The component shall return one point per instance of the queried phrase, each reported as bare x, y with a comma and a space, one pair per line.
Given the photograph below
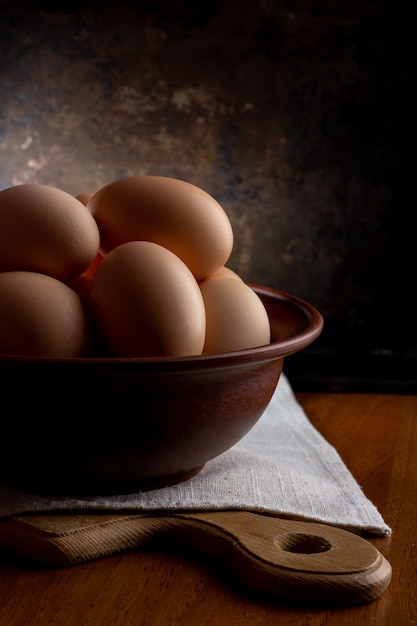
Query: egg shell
82, 284
45, 229
225, 272
236, 318
84, 197
41, 316
173, 213
147, 303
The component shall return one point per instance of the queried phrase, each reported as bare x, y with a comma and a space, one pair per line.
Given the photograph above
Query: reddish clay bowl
100, 424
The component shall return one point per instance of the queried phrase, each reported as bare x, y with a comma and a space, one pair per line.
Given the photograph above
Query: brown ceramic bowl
105, 424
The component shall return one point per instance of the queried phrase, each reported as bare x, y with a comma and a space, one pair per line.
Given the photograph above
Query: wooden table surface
376, 435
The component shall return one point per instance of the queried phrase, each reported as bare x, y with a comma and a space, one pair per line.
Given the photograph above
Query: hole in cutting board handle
302, 543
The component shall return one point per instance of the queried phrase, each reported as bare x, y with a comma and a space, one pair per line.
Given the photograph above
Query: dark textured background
293, 115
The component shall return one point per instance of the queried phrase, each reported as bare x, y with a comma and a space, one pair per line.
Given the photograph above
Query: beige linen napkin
282, 466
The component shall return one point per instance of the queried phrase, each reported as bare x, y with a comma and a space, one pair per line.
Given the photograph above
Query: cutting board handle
276, 558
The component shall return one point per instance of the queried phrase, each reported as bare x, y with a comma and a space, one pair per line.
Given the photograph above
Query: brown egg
147, 302
236, 318
83, 197
225, 272
82, 284
175, 214
41, 316
45, 229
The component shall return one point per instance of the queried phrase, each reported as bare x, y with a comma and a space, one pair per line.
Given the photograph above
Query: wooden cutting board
277, 558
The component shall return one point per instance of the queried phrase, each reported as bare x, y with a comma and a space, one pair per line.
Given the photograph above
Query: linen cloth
283, 466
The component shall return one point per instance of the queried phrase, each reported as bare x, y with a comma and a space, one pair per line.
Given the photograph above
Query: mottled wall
290, 113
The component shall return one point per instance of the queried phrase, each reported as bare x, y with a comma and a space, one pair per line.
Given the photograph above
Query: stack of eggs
136, 269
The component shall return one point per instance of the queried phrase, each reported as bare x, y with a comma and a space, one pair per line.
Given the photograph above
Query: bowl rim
274, 350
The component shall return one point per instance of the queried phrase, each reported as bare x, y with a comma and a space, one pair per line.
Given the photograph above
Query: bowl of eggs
130, 353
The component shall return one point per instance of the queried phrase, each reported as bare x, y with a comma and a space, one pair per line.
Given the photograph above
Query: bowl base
87, 485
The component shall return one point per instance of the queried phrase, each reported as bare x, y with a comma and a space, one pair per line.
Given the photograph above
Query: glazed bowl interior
104, 424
